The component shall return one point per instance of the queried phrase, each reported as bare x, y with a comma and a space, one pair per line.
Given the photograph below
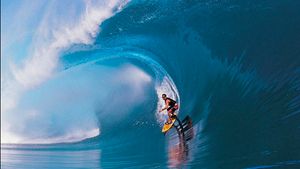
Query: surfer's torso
172, 103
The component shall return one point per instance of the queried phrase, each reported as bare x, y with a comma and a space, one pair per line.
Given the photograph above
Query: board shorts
173, 109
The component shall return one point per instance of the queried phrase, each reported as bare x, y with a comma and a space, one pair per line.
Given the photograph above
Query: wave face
89, 83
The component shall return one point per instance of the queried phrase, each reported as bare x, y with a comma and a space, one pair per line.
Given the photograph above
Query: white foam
41, 65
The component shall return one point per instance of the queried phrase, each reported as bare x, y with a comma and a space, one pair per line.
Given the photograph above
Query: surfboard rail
167, 127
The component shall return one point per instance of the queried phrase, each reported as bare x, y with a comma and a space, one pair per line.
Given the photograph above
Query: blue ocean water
234, 67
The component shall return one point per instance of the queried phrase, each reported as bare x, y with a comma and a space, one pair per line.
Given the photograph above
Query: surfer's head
164, 96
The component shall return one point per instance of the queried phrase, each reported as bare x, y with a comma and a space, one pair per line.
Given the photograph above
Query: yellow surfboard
167, 127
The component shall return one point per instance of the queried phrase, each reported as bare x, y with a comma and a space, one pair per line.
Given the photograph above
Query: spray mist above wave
64, 108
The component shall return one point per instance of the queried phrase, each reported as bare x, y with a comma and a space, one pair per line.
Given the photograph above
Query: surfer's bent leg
171, 112
170, 115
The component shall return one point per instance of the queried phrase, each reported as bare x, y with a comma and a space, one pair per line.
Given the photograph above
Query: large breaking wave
231, 72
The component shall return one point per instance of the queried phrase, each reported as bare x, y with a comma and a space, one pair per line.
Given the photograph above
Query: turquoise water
234, 67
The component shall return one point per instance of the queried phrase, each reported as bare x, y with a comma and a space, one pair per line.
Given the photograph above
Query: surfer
171, 106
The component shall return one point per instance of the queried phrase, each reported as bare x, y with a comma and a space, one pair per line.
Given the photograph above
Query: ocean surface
86, 93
